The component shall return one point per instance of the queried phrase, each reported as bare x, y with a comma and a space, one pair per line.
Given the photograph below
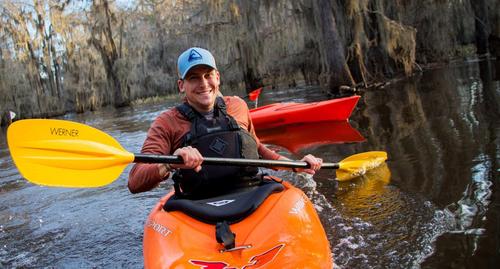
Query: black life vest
219, 137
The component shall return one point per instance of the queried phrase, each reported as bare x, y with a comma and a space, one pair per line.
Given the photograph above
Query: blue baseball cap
193, 57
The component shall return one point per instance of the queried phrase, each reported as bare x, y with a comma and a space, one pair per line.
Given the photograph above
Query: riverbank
121, 53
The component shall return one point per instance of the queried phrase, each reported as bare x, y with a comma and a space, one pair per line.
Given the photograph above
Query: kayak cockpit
232, 207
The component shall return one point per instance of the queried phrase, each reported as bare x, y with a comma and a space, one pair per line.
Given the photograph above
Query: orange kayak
288, 113
299, 136
275, 226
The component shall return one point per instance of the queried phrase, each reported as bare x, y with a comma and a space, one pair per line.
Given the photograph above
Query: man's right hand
191, 156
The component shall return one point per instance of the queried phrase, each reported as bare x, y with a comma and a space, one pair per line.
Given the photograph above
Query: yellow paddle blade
65, 154
358, 164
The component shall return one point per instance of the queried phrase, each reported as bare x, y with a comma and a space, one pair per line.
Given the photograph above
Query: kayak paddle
69, 154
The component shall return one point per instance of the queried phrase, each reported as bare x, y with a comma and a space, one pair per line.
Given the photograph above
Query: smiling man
199, 78
206, 124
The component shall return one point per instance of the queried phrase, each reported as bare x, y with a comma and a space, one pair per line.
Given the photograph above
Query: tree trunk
482, 26
252, 79
334, 69
102, 39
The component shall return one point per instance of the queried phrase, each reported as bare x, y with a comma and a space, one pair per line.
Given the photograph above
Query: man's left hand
314, 163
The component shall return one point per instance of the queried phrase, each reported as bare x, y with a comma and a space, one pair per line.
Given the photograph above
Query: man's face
201, 85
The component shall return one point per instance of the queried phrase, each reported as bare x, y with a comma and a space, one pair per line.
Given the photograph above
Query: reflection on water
434, 205
304, 136
441, 131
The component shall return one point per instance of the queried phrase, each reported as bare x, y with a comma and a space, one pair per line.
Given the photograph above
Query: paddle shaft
147, 158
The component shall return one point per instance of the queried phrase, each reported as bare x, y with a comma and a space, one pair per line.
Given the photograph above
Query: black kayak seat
232, 207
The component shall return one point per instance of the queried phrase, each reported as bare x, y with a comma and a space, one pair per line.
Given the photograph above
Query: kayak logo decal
157, 227
298, 207
256, 261
220, 203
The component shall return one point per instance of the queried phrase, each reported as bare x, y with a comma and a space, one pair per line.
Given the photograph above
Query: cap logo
194, 55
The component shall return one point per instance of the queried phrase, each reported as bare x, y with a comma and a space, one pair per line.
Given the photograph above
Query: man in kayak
206, 124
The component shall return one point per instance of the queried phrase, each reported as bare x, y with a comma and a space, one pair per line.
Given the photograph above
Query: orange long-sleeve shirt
165, 136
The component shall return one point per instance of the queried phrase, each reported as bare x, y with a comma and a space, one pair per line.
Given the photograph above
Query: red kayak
339, 109
296, 137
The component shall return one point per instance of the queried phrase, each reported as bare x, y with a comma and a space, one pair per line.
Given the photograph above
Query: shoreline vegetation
65, 56
153, 100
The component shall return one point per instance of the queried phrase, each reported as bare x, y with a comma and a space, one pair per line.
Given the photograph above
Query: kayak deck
283, 232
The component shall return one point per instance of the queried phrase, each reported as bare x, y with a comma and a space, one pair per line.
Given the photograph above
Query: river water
435, 205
